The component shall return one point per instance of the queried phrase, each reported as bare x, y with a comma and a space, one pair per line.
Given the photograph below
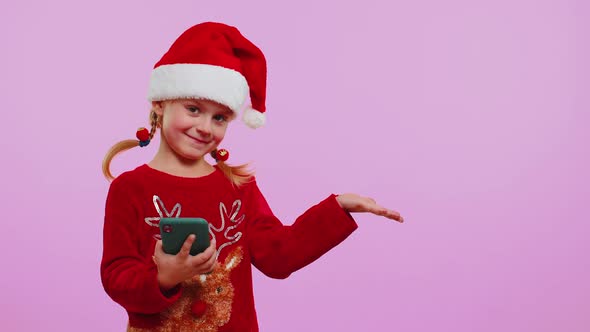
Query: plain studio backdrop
469, 117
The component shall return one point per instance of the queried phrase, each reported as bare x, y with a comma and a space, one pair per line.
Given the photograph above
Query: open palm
356, 203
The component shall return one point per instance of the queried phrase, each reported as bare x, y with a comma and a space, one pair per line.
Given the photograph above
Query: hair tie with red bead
220, 155
143, 135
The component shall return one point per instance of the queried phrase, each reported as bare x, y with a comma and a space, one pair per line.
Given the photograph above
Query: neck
169, 162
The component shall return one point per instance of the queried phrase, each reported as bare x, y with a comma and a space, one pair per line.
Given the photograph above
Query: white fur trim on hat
225, 86
253, 118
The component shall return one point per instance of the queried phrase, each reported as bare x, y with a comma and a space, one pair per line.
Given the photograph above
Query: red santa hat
213, 61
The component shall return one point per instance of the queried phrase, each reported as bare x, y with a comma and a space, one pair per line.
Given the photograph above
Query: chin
194, 155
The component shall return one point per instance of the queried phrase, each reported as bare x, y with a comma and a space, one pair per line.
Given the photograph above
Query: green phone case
174, 232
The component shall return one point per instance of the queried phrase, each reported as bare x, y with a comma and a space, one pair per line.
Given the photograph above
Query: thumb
158, 246
157, 249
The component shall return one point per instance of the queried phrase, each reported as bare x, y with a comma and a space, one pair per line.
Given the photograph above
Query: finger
209, 264
208, 267
186, 247
203, 257
158, 246
380, 211
213, 245
390, 214
212, 268
369, 205
393, 215
213, 259
157, 251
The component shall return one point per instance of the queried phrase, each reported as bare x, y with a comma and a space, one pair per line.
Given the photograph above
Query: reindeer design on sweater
206, 301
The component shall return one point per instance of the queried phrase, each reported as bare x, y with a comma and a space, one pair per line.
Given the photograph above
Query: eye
193, 109
219, 290
220, 118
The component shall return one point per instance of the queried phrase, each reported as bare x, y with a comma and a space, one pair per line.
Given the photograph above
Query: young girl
196, 89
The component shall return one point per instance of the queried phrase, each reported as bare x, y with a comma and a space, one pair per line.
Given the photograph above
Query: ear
233, 259
158, 107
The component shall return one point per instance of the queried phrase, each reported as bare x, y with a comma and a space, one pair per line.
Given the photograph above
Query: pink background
469, 117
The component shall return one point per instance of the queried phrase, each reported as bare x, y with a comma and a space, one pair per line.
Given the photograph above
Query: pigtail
237, 175
127, 145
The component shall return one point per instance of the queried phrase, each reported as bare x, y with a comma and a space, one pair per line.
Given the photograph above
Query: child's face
193, 128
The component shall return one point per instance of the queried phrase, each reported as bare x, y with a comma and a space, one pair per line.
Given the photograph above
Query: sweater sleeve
278, 250
128, 276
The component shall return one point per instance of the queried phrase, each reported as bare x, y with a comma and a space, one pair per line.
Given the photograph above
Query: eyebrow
225, 111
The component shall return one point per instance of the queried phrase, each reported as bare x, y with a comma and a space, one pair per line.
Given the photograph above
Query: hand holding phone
175, 231
174, 269
176, 263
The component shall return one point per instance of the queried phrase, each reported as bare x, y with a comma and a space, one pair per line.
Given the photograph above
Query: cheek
167, 128
219, 133
174, 123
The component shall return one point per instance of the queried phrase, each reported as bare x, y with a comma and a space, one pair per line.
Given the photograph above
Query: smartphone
175, 231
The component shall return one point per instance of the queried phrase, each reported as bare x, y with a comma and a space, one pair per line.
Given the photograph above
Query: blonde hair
237, 175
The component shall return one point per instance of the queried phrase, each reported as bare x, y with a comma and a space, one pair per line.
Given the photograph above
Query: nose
204, 127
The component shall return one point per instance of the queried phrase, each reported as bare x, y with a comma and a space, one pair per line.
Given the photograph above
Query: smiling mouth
198, 140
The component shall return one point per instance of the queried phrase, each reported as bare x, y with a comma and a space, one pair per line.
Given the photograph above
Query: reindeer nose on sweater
198, 308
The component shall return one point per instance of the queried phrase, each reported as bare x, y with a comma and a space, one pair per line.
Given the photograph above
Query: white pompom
253, 119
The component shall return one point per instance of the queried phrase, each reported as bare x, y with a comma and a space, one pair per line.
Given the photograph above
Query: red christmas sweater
246, 231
